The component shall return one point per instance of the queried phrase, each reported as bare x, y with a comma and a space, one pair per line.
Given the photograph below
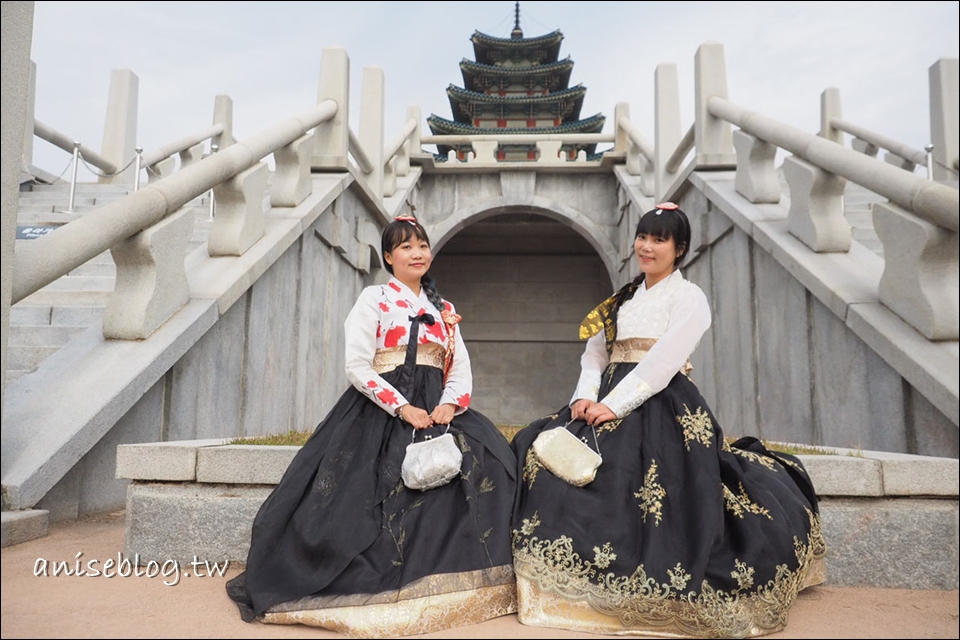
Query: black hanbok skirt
341, 543
681, 534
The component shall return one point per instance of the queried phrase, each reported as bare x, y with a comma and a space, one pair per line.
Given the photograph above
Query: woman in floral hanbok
341, 542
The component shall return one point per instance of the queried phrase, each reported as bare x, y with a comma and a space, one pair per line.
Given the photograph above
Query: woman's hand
443, 414
415, 416
579, 409
599, 413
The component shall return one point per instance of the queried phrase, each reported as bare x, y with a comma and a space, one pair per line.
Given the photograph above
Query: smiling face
663, 236
410, 260
656, 256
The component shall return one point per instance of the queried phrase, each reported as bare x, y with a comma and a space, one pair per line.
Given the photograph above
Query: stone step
82, 283
28, 358
13, 374
42, 335
29, 314
51, 298
32, 217
82, 188
66, 314
105, 269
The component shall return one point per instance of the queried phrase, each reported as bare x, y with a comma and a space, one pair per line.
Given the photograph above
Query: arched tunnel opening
522, 282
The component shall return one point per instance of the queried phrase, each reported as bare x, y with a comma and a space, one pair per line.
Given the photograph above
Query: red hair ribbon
409, 219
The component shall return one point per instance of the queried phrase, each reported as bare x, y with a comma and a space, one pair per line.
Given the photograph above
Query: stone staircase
43, 322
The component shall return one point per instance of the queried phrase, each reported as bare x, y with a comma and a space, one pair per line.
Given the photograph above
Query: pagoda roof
471, 69
485, 46
442, 126
573, 97
465, 95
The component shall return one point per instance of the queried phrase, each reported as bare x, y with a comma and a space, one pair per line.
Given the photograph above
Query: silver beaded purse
432, 462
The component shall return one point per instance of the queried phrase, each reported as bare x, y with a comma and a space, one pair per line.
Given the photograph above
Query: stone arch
443, 231
522, 300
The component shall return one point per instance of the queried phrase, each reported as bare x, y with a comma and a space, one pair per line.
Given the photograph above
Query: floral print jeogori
387, 310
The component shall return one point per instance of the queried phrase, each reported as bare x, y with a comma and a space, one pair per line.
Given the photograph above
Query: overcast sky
266, 56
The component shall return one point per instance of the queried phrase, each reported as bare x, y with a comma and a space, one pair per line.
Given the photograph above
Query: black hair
669, 223
395, 234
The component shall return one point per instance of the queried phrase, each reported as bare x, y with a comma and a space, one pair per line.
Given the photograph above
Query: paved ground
195, 607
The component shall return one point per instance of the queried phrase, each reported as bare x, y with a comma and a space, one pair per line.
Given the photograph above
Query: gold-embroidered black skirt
681, 534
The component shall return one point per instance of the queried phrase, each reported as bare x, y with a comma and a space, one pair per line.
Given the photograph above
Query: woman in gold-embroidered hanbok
681, 533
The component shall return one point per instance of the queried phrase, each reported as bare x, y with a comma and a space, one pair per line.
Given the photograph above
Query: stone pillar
17, 24
291, 180
416, 147
757, 179
223, 115
239, 221
28, 122
944, 114
713, 138
621, 142
371, 125
816, 207
151, 278
919, 282
120, 128
332, 138
667, 128
191, 155
830, 109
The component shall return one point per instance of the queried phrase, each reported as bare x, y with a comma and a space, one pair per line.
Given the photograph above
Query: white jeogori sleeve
360, 333
689, 320
592, 363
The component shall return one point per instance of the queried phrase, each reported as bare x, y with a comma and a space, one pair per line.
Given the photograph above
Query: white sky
266, 56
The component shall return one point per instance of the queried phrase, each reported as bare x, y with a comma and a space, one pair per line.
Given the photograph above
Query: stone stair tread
49, 298
42, 335
28, 358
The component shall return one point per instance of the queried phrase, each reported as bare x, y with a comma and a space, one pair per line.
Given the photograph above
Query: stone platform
890, 520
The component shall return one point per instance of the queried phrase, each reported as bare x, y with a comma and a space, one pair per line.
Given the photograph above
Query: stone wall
522, 283
780, 364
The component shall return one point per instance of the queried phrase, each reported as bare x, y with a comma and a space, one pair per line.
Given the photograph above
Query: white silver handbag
432, 462
567, 456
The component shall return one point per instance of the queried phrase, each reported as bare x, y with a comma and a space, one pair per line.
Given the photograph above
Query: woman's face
655, 256
410, 260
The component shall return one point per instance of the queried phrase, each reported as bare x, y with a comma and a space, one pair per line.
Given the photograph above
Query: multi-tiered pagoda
516, 85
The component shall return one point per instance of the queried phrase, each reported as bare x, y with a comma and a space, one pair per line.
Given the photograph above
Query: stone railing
259, 215
144, 229
548, 148
890, 520
159, 162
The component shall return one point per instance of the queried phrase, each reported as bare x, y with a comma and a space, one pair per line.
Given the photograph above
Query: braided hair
396, 233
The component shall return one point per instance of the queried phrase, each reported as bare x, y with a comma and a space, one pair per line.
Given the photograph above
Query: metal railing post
73, 178
138, 166
929, 149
